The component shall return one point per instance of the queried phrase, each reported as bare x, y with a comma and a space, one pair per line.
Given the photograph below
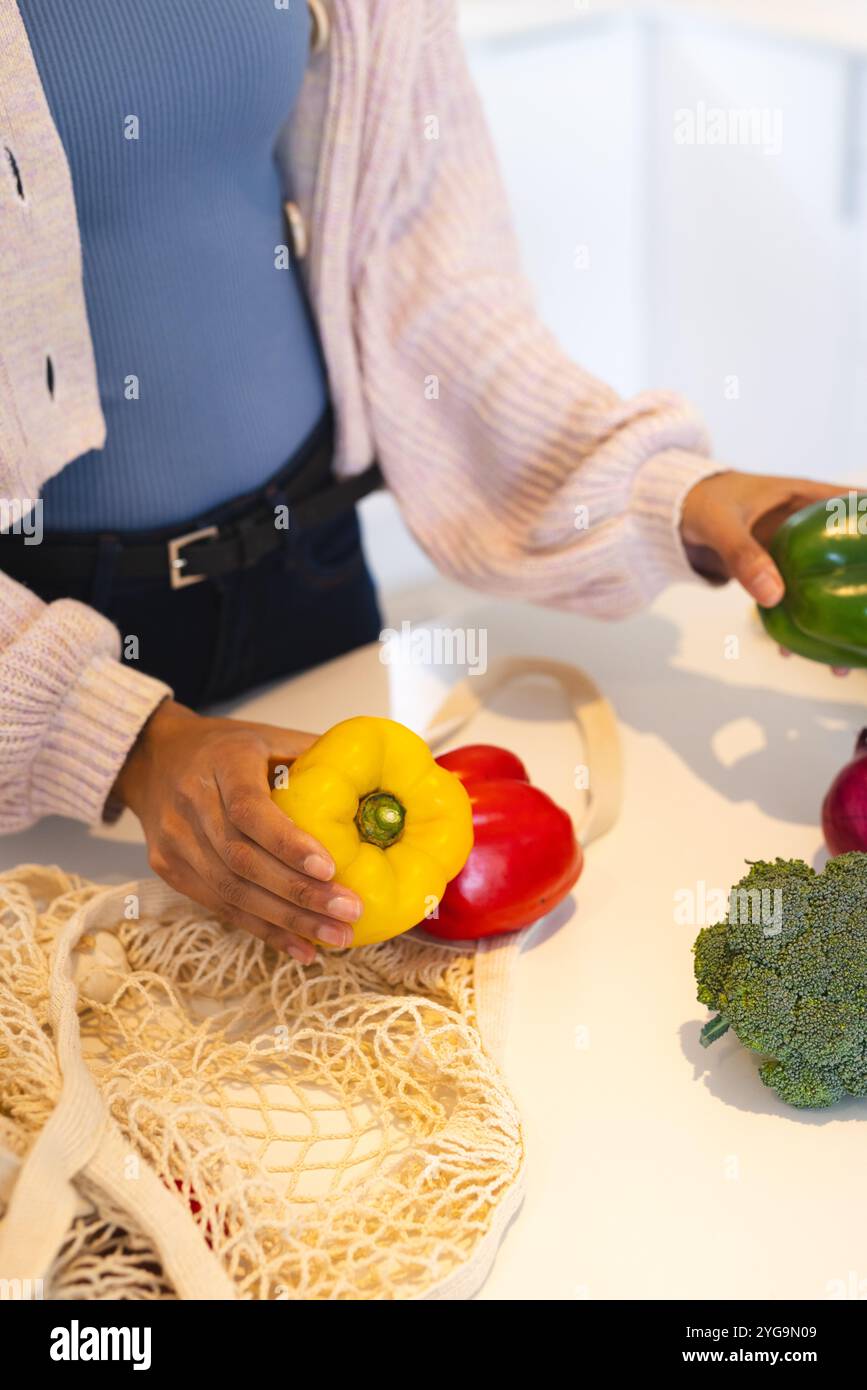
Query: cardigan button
297, 229
320, 26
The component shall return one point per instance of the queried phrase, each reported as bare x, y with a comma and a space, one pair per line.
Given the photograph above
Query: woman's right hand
200, 788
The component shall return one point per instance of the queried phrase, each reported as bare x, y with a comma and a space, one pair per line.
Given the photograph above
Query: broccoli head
787, 971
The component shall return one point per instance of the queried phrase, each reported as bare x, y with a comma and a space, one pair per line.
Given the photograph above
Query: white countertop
840, 23
655, 1169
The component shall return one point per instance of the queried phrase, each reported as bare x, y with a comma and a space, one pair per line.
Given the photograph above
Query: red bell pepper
195, 1207
525, 856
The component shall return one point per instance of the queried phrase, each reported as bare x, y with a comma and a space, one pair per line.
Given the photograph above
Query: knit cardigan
518, 472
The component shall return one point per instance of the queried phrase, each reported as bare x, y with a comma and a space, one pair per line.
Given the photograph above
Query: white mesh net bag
185, 1114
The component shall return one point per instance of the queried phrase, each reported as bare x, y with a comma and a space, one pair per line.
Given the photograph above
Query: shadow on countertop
807, 737
731, 1074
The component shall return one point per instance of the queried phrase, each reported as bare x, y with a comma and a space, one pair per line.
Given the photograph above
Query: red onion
844, 812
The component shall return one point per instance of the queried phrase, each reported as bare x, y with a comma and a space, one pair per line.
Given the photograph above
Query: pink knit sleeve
69, 711
518, 471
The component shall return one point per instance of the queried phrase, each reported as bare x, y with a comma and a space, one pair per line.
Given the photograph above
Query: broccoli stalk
713, 1029
787, 972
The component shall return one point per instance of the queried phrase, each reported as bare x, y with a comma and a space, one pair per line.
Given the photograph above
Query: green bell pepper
821, 552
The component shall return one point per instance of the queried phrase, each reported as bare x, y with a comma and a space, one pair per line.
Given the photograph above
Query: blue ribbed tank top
208, 363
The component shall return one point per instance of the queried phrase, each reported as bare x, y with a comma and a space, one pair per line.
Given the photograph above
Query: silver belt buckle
177, 562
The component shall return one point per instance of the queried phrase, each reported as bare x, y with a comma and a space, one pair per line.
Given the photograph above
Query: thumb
281, 746
749, 563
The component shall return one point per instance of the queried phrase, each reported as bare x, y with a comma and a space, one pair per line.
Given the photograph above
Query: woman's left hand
729, 518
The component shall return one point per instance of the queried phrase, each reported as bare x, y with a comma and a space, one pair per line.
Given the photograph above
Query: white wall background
566, 110
734, 273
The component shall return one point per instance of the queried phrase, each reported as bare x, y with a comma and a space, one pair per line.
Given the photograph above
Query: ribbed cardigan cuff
87, 745
656, 504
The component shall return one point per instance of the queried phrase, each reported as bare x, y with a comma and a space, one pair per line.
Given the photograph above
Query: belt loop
108, 548
245, 552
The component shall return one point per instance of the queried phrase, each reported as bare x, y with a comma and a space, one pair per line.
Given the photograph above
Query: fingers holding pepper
200, 789
732, 517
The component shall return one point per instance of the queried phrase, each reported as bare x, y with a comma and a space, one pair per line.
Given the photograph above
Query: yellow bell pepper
397, 826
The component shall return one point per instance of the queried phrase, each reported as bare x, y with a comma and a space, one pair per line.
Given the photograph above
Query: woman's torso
209, 366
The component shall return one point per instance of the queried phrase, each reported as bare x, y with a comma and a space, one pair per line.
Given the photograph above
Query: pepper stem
380, 819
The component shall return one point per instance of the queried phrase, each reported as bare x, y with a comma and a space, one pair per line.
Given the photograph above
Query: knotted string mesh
336, 1130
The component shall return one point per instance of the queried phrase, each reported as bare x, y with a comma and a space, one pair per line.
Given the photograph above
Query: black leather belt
253, 528
215, 550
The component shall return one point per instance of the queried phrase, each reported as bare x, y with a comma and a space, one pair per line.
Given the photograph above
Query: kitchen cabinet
734, 268
565, 109
754, 295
